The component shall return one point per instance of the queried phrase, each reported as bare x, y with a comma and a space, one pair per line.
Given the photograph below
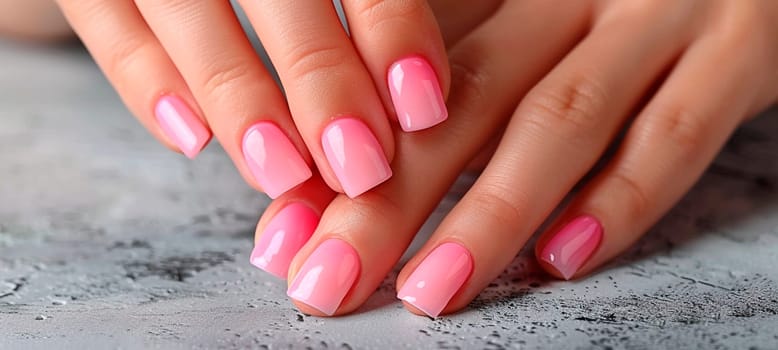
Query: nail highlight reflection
326, 276
439, 276
286, 233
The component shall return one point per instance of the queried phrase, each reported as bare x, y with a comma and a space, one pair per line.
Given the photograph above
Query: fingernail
286, 233
416, 94
435, 281
273, 159
326, 277
181, 125
573, 245
355, 156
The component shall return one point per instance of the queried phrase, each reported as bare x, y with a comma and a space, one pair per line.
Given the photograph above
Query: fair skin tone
197, 52
679, 76
664, 83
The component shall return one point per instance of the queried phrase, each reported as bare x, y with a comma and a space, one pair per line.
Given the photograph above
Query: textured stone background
107, 240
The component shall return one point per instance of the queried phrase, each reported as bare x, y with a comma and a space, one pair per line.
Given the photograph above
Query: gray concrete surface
107, 240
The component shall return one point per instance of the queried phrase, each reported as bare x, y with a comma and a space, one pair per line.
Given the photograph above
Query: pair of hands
661, 83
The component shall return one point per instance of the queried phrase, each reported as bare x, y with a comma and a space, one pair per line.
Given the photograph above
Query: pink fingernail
273, 159
181, 125
326, 277
435, 281
355, 156
573, 245
416, 94
286, 233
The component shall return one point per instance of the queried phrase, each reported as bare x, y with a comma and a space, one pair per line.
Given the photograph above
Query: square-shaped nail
326, 276
273, 160
355, 156
416, 94
283, 236
573, 245
439, 276
181, 125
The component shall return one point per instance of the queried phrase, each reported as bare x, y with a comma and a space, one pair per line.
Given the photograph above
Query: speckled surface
107, 240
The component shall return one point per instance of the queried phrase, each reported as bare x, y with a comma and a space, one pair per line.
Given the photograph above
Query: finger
331, 96
242, 103
287, 224
400, 44
141, 72
665, 151
375, 229
558, 132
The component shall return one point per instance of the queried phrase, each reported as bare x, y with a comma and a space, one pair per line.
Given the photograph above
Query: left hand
577, 72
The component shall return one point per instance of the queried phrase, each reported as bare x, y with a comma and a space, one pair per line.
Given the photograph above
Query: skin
676, 78
197, 51
540, 89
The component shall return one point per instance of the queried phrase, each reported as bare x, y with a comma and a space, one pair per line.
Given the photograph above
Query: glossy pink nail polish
181, 125
435, 281
573, 245
273, 159
355, 156
286, 233
416, 94
326, 277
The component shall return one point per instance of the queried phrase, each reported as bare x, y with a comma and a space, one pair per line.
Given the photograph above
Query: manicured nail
435, 281
273, 159
573, 245
286, 233
326, 277
416, 94
181, 125
355, 156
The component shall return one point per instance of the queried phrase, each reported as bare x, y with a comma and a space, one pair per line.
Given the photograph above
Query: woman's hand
186, 69
559, 82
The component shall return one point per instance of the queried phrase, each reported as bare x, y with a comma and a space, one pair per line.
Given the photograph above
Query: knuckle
572, 109
739, 23
637, 202
680, 127
493, 202
377, 13
313, 57
377, 206
226, 76
126, 51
